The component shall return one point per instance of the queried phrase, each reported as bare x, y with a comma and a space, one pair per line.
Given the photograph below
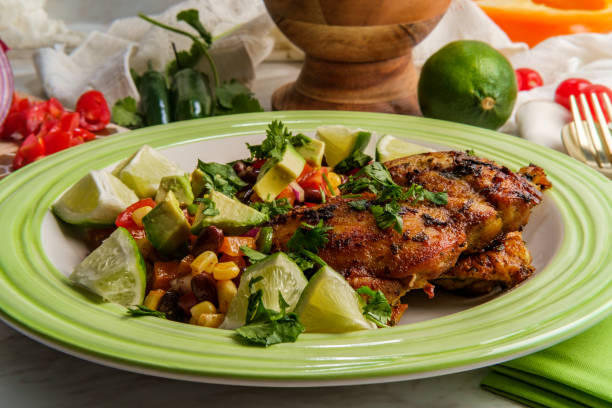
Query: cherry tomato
529, 79
94, 111
571, 86
125, 220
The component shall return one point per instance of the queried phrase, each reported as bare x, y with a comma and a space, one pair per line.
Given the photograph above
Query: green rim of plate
571, 293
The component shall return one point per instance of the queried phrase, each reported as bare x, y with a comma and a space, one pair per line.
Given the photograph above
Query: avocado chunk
198, 186
278, 176
312, 152
143, 171
179, 185
166, 226
232, 216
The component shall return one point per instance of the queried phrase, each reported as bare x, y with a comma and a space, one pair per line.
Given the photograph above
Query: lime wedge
144, 170
330, 305
115, 270
280, 274
339, 142
95, 200
391, 148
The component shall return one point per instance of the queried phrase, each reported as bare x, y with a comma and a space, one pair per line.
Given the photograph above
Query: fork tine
581, 133
592, 133
604, 132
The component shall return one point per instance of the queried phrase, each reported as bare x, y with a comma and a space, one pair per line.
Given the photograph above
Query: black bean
204, 288
312, 195
239, 167
249, 174
210, 240
168, 304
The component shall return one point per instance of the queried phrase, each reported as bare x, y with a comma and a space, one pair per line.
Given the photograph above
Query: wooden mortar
358, 52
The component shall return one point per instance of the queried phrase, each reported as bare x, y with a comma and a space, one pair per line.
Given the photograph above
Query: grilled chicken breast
486, 201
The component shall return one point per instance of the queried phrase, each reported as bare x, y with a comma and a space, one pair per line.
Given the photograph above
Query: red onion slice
251, 233
7, 85
298, 191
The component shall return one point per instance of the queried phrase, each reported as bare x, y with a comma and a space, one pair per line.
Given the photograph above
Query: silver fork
587, 141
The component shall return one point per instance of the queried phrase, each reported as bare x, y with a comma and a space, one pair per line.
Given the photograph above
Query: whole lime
468, 82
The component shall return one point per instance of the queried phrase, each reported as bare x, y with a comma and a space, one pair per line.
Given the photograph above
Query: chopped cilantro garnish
273, 208
210, 208
306, 242
125, 113
221, 177
265, 326
360, 205
377, 309
253, 255
388, 216
141, 310
278, 137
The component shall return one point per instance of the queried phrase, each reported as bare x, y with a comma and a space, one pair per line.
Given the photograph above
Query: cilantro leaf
125, 113
357, 158
227, 91
417, 192
141, 310
278, 137
265, 326
309, 237
186, 59
388, 216
273, 208
470, 152
377, 308
253, 255
299, 140
360, 205
192, 17
210, 208
245, 103
221, 177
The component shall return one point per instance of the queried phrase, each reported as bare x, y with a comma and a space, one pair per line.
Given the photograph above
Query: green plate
569, 236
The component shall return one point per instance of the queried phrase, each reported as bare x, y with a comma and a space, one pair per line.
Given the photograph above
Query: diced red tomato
84, 134
288, 194
231, 245
527, 79
257, 164
125, 220
94, 111
30, 150
313, 178
60, 136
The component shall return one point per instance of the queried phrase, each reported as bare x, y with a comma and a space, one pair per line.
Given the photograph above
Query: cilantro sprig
305, 244
253, 255
278, 137
377, 308
209, 206
357, 159
375, 178
141, 310
264, 326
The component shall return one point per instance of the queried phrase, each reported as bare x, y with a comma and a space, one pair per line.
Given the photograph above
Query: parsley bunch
266, 326
387, 211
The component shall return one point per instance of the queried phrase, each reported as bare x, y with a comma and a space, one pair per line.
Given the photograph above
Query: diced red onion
251, 233
7, 86
298, 191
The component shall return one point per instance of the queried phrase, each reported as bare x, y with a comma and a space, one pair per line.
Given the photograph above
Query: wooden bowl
358, 52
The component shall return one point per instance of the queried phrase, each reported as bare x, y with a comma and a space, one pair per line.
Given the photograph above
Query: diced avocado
233, 217
197, 183
179, 185
312, 152
166, 226
143, 171
271, 182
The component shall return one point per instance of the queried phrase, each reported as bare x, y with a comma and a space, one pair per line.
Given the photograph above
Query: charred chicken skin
486, 201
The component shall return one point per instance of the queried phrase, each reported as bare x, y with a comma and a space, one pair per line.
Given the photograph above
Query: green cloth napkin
575, 373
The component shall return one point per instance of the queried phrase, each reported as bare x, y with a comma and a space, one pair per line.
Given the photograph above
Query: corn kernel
210, 319
205, 262
202, 307
153, 297
139, 214
334, 179
225, 270
226, 291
